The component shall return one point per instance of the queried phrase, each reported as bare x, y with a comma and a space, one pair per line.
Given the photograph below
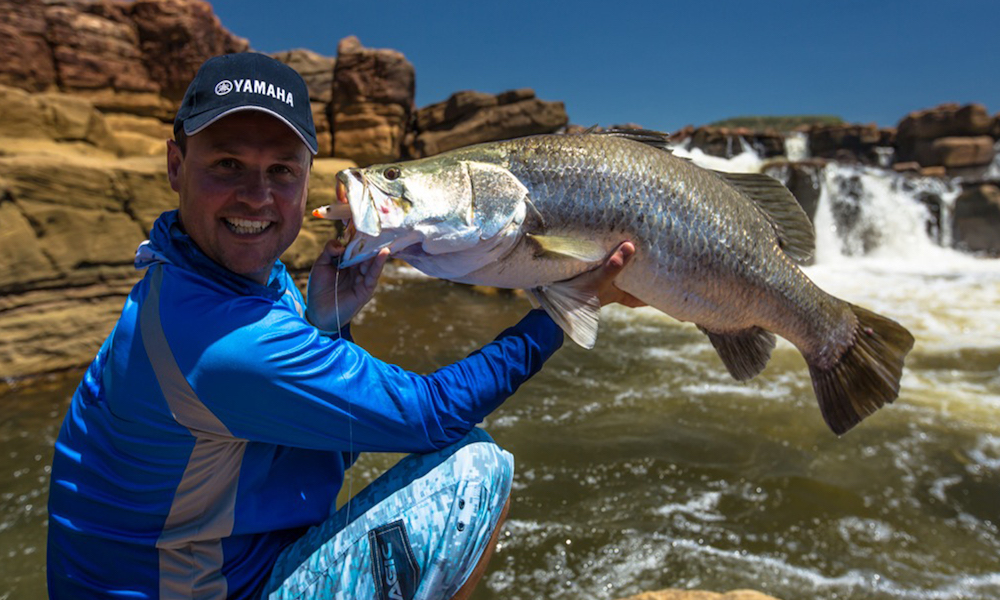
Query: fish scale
715, 249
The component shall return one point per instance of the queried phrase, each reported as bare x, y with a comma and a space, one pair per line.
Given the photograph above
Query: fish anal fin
795, 232
575, 311
569, 247
745, 353
867, 375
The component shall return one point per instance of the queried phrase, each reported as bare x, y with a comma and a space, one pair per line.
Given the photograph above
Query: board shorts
416, 532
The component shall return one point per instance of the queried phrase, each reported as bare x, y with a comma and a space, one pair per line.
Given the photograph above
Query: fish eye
391, 173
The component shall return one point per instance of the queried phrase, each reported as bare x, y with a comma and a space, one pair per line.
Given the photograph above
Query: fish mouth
357, 207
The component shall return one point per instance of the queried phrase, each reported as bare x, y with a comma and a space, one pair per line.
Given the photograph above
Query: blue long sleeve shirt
215, 424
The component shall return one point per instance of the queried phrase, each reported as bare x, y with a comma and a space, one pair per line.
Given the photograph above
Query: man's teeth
246, 226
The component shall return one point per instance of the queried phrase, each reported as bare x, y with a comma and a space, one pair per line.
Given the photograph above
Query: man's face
242, 184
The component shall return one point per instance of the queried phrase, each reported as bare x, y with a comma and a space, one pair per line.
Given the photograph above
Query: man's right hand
332, 298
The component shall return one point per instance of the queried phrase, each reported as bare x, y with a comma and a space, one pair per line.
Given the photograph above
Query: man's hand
600, 281
333, 299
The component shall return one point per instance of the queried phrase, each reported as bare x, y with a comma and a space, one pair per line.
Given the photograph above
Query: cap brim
194, 124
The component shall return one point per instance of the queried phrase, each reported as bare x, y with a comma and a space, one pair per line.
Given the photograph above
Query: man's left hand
333, 298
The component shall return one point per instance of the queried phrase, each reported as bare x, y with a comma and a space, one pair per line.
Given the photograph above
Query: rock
906, 167
471, 117
176, 36
849, 142
139, 136
96, 46
53, 116
944, 121
135, 57
373, 93
976, 220
315, 68
802, 178
934, 172
27, 57
25, 261
954, 152
324, 133
674, 594
727, 142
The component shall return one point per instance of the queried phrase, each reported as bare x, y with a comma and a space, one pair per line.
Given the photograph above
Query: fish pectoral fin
745, 353
575, 311
568, 247
795, 232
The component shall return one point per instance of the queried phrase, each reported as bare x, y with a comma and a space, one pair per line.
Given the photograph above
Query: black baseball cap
247, 81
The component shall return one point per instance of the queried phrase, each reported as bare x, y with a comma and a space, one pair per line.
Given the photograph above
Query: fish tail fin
745, 353
867, 375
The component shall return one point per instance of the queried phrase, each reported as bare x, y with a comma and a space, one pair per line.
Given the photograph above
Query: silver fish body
715, 249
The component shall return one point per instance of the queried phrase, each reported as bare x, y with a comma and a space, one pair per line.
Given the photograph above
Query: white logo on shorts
223, 87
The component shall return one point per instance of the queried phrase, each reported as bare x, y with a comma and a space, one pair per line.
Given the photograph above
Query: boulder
726, 142
849, 142
315, 68
944, 121
954, 152
373, 93
803, 178
471, 117
976, 220
674, 594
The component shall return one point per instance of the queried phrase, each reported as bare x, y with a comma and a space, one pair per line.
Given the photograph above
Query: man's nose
255, 189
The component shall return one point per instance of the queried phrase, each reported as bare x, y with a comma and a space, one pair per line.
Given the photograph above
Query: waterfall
862, 210
797, 146
872, 211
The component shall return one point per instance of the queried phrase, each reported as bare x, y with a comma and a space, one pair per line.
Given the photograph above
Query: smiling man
203, 450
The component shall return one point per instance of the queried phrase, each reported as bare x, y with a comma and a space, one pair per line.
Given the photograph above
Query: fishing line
347, 398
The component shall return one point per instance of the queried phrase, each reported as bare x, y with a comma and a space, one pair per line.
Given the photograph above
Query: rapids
641, 465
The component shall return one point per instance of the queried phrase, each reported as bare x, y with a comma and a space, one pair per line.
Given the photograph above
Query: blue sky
666, 64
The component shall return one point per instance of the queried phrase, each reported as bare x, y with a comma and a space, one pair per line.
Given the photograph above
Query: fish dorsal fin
574, 310
795, 232
569, 247
656, 139
496, 197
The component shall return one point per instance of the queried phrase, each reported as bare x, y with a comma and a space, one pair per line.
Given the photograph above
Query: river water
641, 465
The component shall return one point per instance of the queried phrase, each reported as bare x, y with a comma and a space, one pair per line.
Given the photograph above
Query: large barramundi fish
717, 249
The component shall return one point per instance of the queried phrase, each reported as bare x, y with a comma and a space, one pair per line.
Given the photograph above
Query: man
214, 427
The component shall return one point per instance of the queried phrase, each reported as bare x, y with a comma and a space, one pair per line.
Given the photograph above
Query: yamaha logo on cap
223, 87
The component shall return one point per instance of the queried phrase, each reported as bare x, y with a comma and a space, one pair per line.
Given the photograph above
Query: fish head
421, 209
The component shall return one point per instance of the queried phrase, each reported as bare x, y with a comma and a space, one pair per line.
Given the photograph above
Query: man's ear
175, 160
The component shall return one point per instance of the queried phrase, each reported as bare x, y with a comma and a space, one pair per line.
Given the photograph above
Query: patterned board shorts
416, 532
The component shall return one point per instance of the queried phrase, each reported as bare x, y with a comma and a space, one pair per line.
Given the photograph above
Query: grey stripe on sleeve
203, 509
